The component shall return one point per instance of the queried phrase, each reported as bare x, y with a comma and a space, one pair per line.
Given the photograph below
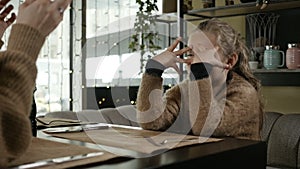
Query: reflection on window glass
109, 62
52, 81
109, 26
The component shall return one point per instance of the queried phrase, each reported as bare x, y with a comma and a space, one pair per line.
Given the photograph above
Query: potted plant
145, 35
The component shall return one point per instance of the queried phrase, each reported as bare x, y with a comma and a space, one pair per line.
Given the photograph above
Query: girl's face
204, 48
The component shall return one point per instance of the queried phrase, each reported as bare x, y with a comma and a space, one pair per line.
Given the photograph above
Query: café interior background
77, 56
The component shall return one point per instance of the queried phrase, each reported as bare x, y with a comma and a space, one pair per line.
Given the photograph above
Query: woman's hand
169, 58
43, 15
6, 22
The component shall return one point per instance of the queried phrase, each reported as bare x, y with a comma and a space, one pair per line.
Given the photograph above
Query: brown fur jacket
191, 107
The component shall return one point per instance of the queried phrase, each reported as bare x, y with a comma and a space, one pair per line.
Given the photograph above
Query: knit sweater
190, 107
18, 73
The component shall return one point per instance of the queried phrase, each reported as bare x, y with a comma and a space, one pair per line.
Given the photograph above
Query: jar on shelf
293, 56
273, 57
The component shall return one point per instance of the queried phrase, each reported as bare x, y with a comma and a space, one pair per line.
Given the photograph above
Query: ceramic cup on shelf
273, 57
253, 65
293, 56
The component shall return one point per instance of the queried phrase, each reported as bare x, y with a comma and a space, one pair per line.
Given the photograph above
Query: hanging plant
144, 37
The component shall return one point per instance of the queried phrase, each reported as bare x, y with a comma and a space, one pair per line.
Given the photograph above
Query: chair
282, 134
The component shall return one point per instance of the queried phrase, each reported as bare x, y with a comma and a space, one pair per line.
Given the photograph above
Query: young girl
221, 98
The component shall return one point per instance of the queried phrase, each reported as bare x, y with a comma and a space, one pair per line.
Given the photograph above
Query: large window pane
52, 82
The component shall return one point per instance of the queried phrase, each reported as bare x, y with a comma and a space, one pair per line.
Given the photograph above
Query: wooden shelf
231, 10
276, 71
278, 77
243, 9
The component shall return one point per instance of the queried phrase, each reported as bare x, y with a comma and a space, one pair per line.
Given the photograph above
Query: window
77, 57
109, 28
52, 82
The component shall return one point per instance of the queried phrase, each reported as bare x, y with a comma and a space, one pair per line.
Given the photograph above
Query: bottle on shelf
293, 56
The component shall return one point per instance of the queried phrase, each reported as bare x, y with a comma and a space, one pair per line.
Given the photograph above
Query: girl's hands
169, 58
43, 15
6, 22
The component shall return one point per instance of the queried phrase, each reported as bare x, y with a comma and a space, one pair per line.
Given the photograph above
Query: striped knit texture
17, 80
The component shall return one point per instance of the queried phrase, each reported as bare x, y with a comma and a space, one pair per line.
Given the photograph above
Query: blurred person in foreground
221, 98
5, 21
35, 21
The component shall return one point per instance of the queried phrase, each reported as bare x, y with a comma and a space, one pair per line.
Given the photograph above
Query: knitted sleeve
18, 73
156, 111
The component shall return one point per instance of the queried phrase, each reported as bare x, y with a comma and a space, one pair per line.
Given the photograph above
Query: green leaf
144, 38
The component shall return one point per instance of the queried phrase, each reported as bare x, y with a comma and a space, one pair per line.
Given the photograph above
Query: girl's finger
11, 19
3, 3
188, 61
179, 60
174, 45
182, 51
6, 11
176, 68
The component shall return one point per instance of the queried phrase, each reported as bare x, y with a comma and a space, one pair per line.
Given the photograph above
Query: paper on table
144, 141
70, 129
57, 122
58, 160
41, 149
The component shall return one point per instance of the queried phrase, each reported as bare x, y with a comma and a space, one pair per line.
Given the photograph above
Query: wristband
154, 68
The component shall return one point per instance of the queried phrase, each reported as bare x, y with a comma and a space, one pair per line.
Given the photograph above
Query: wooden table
229, 153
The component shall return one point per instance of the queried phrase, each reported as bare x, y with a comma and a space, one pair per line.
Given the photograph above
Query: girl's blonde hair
230, 42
